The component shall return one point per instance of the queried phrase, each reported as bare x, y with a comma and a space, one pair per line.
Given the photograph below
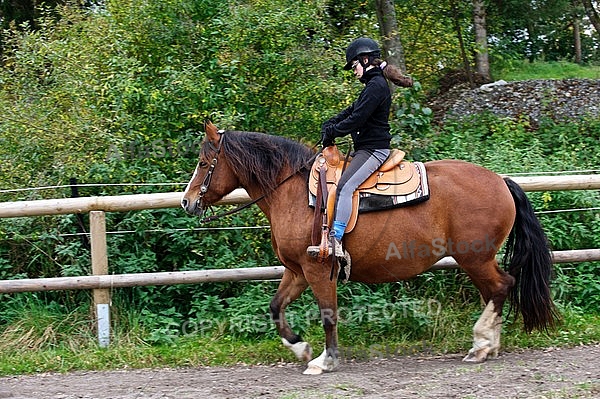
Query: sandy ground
550, 373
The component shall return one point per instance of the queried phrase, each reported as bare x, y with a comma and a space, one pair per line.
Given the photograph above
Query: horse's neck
289, 197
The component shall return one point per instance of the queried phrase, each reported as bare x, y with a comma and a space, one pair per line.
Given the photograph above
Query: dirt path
553, 373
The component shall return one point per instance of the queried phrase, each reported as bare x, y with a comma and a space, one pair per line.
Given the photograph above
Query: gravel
533, 100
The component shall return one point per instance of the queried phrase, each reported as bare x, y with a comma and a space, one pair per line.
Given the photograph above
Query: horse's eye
203, 164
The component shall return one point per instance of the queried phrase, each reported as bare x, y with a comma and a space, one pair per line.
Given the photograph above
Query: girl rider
366, 120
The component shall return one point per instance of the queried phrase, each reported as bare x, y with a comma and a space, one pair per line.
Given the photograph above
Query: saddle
397, 182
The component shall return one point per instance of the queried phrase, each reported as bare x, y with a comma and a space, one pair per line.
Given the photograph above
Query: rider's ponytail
393, 73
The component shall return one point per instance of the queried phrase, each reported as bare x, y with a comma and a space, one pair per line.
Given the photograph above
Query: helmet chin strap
365, 65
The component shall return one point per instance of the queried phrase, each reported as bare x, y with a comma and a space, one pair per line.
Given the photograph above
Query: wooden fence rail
114, 203
134, 202
107, 282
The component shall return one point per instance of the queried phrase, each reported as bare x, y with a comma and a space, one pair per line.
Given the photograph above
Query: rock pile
560, 100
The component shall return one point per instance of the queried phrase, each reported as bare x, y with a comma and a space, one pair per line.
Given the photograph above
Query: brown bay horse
471, 212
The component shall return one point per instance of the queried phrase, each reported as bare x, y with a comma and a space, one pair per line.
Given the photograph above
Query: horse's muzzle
192, 207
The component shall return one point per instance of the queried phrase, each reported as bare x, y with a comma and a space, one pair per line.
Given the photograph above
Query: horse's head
212, 178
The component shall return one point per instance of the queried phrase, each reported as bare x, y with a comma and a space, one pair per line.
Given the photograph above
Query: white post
103, 315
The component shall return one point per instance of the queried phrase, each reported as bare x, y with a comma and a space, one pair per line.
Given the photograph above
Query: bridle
208, 177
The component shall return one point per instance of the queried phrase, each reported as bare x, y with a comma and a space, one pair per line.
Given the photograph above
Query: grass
524, 70
185, 352
66, 343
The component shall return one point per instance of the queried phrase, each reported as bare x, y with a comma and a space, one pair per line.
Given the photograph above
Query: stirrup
343, 258
314, 250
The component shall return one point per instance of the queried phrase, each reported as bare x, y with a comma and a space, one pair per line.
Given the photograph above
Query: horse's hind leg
290, 288
494, 285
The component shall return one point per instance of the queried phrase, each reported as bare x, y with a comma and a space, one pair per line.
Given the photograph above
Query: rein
249, 204
208, 178
231, 212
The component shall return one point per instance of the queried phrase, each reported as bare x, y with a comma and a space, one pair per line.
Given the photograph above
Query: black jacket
367, 118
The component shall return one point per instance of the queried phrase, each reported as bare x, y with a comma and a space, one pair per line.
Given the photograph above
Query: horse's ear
212, 133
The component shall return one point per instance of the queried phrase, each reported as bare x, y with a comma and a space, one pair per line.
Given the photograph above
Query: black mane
260, 158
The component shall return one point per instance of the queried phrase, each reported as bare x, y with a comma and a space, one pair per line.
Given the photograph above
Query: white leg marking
302, 349
497, 333
485, 336
320, 364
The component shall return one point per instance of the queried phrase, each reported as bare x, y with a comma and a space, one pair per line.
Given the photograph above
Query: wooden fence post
100, 267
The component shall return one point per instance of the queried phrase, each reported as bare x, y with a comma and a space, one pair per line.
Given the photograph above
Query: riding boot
337, 247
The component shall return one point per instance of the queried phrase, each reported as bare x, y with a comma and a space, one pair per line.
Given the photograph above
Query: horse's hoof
322, 363
478, 356
313, 370
302, 350
494, 353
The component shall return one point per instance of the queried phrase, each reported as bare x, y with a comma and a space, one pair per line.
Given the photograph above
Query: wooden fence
101, 281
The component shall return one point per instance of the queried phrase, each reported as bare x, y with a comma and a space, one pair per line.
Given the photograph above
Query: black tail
528, 259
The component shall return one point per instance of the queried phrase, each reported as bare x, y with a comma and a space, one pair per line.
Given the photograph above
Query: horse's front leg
325, 291
290, 288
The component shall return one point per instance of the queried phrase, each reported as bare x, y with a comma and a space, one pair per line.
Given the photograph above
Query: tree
592, 14
17, 11
482, 63
388, 25
456, 15
575, 23
535, 29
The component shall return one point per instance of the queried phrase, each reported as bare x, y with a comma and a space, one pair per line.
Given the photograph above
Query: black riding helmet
361, 46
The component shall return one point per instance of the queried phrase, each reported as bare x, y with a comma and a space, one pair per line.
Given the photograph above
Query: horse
472, 211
